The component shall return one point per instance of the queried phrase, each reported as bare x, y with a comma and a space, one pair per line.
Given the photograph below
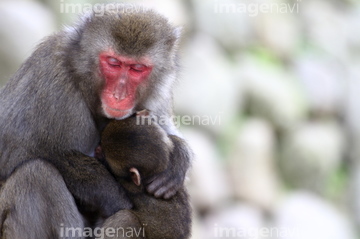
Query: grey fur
50, 112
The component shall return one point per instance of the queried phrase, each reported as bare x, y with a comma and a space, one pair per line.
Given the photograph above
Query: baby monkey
135, 149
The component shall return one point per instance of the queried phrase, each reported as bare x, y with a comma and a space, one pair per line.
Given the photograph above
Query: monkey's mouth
117, 113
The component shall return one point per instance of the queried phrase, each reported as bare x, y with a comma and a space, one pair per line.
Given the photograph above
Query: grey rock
311, 155
252, 166
352, 105
208, 88
354, 193
323, 81
326, 28
271, 92
197, 231
23, 24
279, 32
235, 221
208, 184
353, 31
232, 28
352, 116
307, 216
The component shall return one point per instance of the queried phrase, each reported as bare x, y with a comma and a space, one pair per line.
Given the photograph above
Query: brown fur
50, 110
128, 145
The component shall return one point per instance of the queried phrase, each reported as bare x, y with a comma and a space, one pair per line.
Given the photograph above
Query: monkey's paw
164, 185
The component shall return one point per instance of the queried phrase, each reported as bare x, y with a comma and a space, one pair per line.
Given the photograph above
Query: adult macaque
53, 110
135, 152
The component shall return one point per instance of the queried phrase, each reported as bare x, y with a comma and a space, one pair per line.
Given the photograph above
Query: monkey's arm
167, 183
91, 184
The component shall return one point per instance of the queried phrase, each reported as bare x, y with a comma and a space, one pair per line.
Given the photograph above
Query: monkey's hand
91, 184
167, 183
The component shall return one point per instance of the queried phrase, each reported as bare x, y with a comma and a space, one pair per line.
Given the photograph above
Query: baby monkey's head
136, 147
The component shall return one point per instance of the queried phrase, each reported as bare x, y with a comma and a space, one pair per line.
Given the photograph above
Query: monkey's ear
177, 32
175, 37
87, 17
74, 32
135, 176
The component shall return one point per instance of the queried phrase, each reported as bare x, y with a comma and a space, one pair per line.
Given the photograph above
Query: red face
122, 77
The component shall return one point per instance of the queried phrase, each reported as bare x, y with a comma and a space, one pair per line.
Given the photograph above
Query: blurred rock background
275, 103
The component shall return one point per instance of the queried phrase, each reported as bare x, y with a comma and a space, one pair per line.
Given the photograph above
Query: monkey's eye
113, 61
138, 67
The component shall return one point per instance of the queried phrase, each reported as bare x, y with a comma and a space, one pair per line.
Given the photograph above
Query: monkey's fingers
166, 191
161, 187
154, 183
171, 192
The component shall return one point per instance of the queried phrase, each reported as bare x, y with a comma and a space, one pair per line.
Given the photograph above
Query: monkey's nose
120, 93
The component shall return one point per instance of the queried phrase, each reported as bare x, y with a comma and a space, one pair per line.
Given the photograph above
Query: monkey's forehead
132, 32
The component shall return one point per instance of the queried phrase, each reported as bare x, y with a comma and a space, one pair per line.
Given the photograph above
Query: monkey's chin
116, 114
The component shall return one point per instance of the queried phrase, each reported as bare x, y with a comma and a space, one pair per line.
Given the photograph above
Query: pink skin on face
122, 77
